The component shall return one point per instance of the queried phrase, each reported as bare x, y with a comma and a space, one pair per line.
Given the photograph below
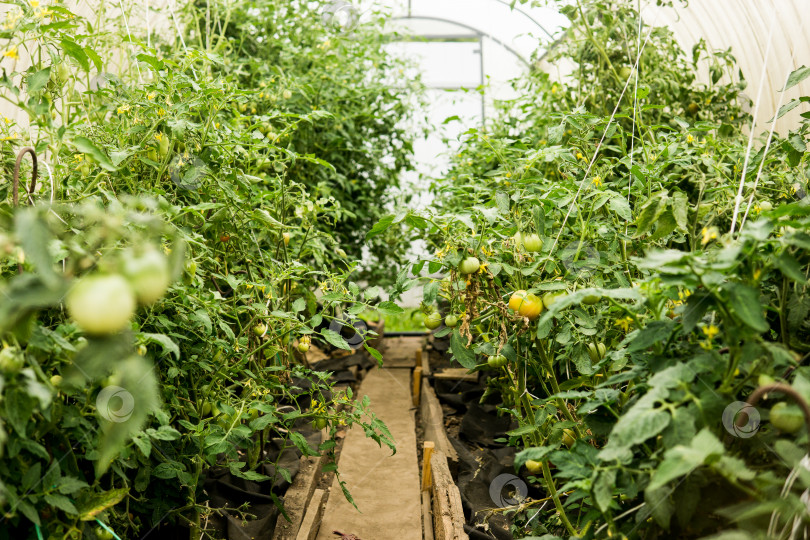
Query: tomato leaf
166, 343
153, 62
100, 502
335, 339
61, 502
381, 226
35, 239
377, 355
621, 207
650, 212
93, 55
389, 308
430, 292
461, 353
603, 489
86, 146
38, 80
72, 49
680, 210
537, 453
797, 76
746, 306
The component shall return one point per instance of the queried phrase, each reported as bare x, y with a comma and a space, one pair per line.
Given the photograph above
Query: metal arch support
476, 31
525, 14
511, 6
16, 178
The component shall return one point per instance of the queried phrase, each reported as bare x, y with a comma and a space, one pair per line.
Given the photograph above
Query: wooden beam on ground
432, 417
297, 499
456, 374
417, 385
427, 517
427, 452
425, 358
312, 518
448, 515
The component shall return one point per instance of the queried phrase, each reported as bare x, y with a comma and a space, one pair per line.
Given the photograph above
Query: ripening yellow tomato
526, 304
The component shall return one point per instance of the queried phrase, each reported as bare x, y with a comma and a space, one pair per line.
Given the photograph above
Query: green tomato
496, 361
56, 380
224, 421
451, 321
101, 304
102, 533
319, 423
787, 418
163, 145
594, 351
85, 167
148, 274
11, 360
534, 467
591, 299
569, 437
433, 321
470, 265
532, 243
303, 347
765, 206
625, 73
260, 329
63, 72
549, 298
765, 380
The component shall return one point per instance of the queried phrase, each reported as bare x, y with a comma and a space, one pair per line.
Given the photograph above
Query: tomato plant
643, 320
206, 199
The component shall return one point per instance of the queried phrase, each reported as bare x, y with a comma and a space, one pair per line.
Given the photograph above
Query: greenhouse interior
405, 269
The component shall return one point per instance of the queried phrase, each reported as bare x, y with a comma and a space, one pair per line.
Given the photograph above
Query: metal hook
16, 180
760, 392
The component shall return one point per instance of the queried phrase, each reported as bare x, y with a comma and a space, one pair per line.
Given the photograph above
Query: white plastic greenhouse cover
751, 29
745, 27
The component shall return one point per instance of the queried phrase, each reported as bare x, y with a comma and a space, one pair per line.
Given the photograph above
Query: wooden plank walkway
385, 487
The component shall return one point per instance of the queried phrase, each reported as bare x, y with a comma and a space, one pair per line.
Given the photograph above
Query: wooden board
417, 385
448, 515
297, 499
456, 374
384, 486
312, 518
400, 352
430, 411
427, 517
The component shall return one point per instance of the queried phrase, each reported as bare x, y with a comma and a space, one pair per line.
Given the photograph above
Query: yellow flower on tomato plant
710, 331
624, 323
11, 53
709, 234
597, 181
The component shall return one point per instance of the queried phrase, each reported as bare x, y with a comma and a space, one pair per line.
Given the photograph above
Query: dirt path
385, 487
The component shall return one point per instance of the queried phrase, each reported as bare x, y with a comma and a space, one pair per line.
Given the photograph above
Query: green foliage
257, 156
635, 211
